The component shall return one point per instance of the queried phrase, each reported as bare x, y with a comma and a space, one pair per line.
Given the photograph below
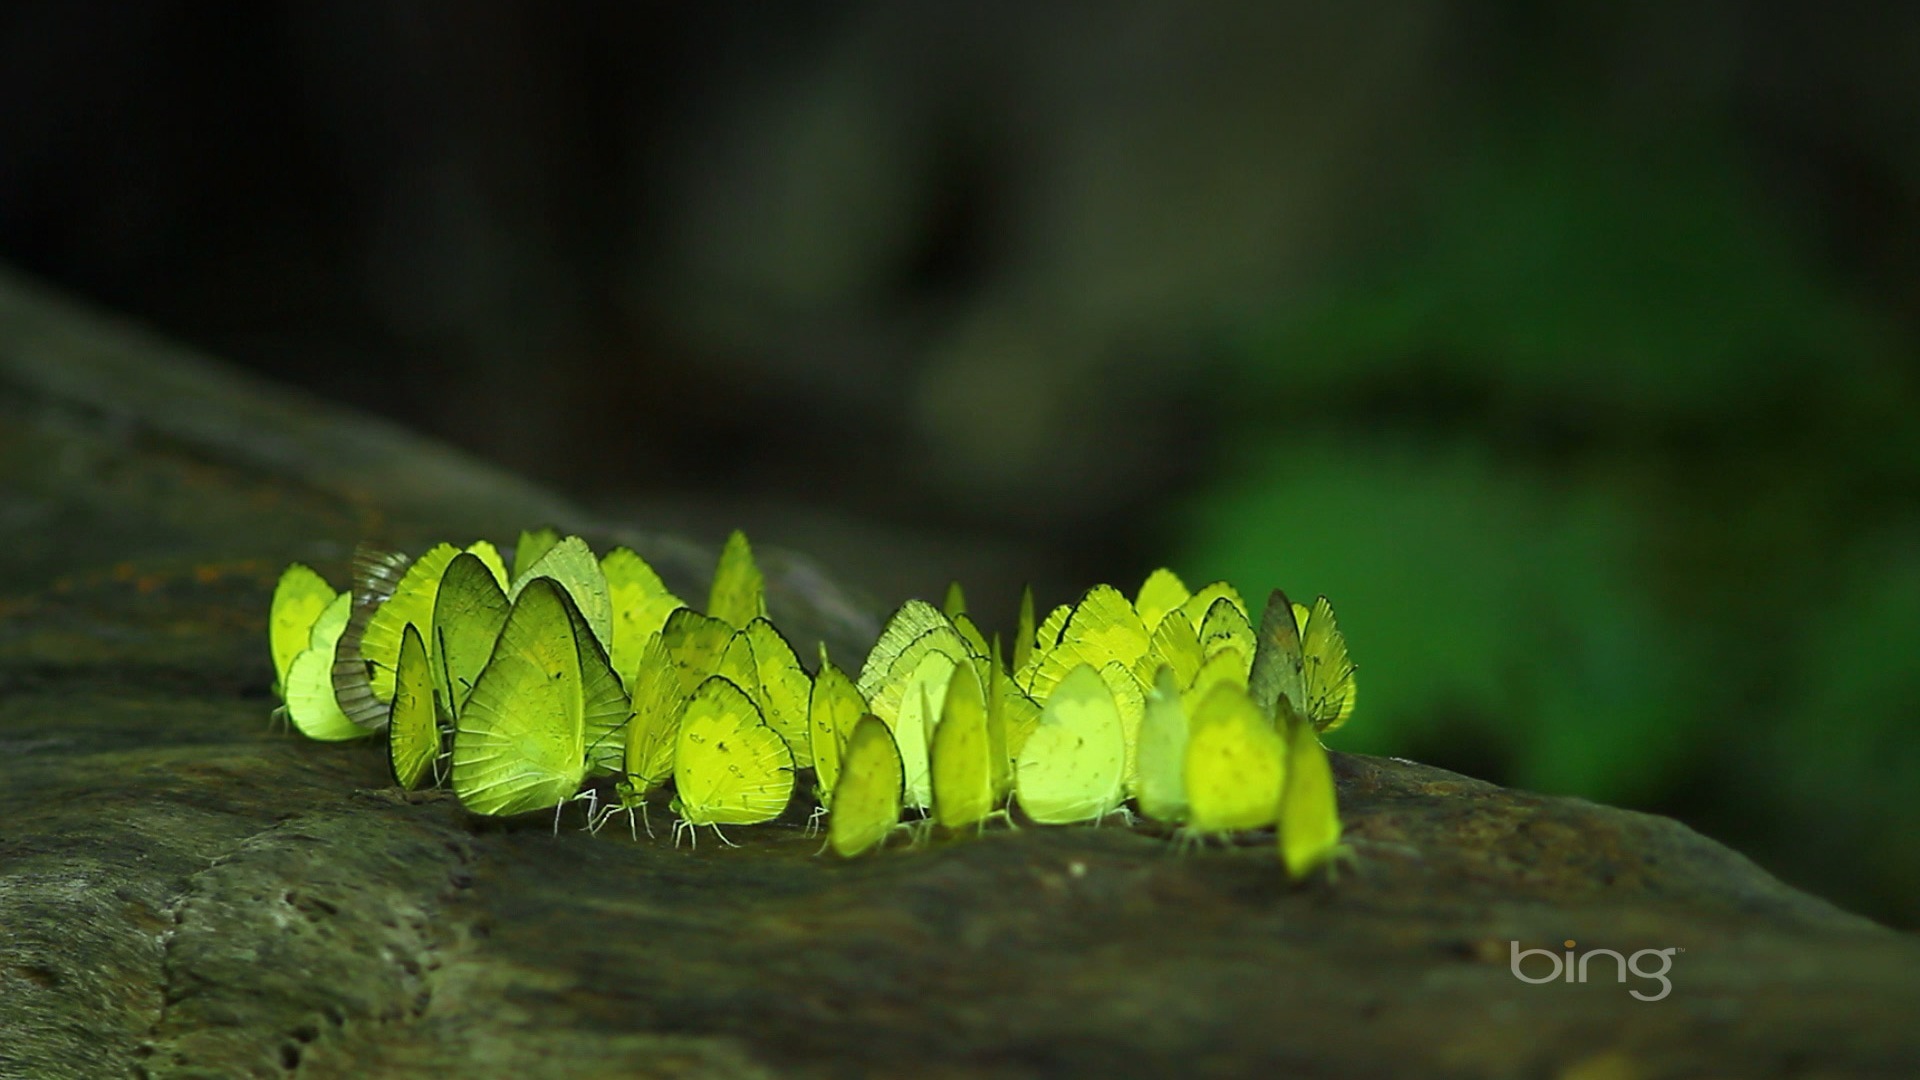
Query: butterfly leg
593, 807
1186, 840
598, 817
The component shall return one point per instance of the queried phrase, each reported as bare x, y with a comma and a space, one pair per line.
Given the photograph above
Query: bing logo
1572, 967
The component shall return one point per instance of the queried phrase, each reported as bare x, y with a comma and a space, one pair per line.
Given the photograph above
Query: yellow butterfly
298, 599
782, 688
413, 730
739, 592
833, 709
1160, 593
571, 564
1309, 834
1277, 674
962, 753
923, 696
1302, 657
729, 767
1161, 789
469, 608
311, 703
1236, 764
867, 793
653, 730
1329, 673
521, 741
1073, 767
916, 629
1103, 628
641, 603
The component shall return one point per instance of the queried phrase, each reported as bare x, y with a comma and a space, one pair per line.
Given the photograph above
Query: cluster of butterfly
522, 686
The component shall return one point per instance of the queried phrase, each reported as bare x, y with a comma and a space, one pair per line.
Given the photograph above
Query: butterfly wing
1329, 675
641, 603
1161, 592
1162, 786
468, 611
528, 550
519, 744
1103, 629
1278, 660
311, 704
1235, 764
784, 689
1072, 767
655, 726
570, 564
730, 768
962, 755
867, 795
833, 708
298, 599
695, 643
413, 731
1309, 833
739, 592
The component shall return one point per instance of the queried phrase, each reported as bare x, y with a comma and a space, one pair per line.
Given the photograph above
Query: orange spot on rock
206, 574
148, 583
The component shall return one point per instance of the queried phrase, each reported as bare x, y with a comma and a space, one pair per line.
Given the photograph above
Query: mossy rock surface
187, 892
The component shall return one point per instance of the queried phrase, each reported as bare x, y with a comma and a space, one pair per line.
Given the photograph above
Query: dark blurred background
1570, 348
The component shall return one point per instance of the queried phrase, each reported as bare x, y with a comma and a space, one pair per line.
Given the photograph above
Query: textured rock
185, 892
